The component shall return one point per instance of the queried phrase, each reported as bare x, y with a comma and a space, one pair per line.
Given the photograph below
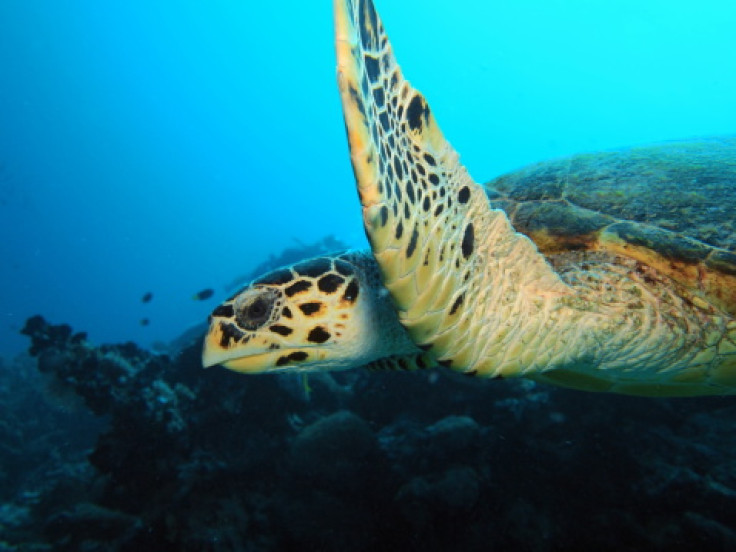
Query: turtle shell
671, 206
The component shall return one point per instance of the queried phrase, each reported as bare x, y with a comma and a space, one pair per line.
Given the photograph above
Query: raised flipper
459, 276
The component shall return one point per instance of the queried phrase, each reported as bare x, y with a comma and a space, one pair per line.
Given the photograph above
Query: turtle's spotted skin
580, 288
323, 313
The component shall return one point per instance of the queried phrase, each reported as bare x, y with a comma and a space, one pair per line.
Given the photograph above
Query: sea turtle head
325, 313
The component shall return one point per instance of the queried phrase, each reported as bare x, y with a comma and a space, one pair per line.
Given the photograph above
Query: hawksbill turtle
607, 272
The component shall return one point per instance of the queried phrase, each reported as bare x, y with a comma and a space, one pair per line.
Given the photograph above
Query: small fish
204, 294
147, 297
145, 321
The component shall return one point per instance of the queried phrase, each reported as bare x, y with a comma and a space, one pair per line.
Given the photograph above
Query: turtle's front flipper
460, 277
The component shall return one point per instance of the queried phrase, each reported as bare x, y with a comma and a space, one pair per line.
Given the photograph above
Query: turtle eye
254, 311
257, 309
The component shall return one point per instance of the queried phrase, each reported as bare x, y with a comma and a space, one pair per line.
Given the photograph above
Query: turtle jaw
249, 364
272, 361
213, 354
267, 356
284, 359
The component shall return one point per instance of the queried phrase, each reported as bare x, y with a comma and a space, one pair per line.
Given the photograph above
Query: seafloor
113, 447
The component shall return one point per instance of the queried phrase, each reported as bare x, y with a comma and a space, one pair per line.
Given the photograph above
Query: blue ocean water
168, 147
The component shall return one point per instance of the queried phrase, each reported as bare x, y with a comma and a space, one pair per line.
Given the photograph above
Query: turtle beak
226, 345
213, 352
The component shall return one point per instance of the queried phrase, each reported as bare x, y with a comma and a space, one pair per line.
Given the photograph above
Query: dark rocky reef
181, 458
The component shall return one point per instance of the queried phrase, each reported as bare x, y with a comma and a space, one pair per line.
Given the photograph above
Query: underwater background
152, 151
170, 147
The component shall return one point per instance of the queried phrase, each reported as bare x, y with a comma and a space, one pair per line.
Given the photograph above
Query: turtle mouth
277, 360
248, 364
258, 362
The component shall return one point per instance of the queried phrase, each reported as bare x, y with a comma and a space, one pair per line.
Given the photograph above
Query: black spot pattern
344, 268
296, 356
412, 243
351, 291
410, 191
371, 67
277, 277
384, 215
368, 21
417, 110
225, 311
310, 308
421, 196
379, 96
458, 302
385, 123
397, 189
329, 283
318, 335
313, 267
230, 333
297, 287
468, 241
281, 330
397, 169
